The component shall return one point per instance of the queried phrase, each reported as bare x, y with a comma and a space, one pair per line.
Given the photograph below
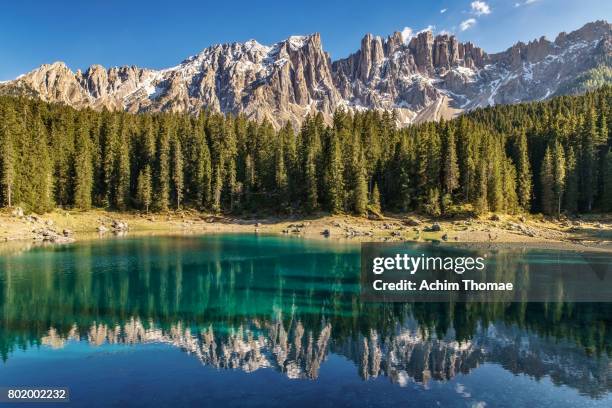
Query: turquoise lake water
247, 320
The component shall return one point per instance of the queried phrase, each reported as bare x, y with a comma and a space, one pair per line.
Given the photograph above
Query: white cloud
408, 33
469, 23
480, 7
443, 11
428, 28
525, 3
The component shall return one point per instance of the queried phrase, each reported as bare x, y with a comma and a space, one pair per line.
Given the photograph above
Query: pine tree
559, 175
312, 194
144, 188
61, 147
177, 171
432, 206
204, 175
53, 154
607, 183
334, 176
121, 178
360, 196
404, 184
162, 176
10, 130
571, 187
108, 145
249, 174
35, 174
375, 199
83, 167
450, 178
587, 160
217, 187
547, 182
480, 201
229, 160
280, 174
511, 202
523, 172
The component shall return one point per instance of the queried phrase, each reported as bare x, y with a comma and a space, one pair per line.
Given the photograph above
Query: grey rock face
422, 78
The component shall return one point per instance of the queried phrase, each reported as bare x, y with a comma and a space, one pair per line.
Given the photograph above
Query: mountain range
420, 78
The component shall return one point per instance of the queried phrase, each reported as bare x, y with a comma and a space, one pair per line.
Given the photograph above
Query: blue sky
161, 34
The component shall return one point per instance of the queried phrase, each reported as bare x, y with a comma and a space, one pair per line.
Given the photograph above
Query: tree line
551, 157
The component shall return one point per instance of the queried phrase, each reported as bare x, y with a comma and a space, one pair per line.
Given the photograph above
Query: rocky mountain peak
424, 77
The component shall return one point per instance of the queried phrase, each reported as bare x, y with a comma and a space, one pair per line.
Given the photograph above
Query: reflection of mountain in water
408, 355
244, 302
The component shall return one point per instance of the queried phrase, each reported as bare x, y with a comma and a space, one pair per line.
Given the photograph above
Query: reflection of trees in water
237, 306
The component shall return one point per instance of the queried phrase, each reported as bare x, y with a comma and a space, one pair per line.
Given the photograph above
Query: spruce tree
523, 169
144, 188
450, 178
10, 130
511, 202
547, 182
495, 180
83, 167
35, 175
121, 178
480, 194
249, 175
217, 187
312, 193
360, 194
108, 150
280, 175
375, 199
432, 206
204, 175
162, 176
607, 183
177, 171
559, 175
334, 176
587, 160
571, 185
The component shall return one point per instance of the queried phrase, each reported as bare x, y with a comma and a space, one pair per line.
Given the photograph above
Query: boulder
119, 226
435, 227
411, 222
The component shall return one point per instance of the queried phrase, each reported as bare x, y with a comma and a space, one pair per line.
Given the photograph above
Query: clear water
242, 320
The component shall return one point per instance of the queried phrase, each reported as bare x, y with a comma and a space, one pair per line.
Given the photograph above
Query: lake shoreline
593, 233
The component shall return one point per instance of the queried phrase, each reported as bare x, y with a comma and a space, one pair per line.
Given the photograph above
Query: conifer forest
549, 157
